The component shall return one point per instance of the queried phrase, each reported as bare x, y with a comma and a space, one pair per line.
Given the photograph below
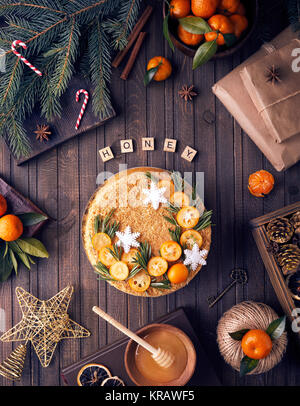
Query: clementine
228, 6
240, 24
260, 183
187, 37
11, 227
178, 273
221, 25
164, 68
256, 344
3, 205
180, 8
204, 8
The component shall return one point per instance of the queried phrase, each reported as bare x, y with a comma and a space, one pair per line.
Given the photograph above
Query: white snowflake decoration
195, 257
154, 195
127, 239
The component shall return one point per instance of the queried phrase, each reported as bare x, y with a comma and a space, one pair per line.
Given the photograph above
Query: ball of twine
248, 315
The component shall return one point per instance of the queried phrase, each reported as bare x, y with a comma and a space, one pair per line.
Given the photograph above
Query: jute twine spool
248, 315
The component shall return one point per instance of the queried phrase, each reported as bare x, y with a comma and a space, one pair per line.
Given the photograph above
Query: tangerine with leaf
204, 8
162, 67
180, 8
187, 37
220, 24
11, 227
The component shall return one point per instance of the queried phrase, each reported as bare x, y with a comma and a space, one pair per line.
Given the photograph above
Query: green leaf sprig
104, 224
166, 27
274, 330
150, 73
204, 221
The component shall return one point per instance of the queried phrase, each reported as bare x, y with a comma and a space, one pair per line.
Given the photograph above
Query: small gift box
274, 88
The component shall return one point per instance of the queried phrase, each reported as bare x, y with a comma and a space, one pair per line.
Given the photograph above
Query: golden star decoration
45, 323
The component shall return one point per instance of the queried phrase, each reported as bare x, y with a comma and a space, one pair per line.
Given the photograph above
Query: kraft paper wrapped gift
232, 93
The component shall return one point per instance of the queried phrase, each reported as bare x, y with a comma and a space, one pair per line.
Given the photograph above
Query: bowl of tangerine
208, 29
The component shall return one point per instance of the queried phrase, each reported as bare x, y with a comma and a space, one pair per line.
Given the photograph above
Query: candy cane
86, 98
13, 47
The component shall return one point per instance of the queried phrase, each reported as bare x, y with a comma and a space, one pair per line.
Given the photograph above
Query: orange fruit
188, 217
11, 227
256, 344
106, 257
178, 273
204, 8
241, 10
157, 266
3, 205
260, 183
187, 37
128, 258
190, 237
180, 199
228, 6
219, 23
180, 8
100, 240
170, 251
140, 282
119, 271
240, 24
164, 70
169, 185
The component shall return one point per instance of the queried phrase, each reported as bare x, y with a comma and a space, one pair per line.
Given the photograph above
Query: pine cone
295, 220
280, 230
288, 258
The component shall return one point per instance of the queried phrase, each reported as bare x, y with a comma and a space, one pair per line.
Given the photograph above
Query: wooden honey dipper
164, 358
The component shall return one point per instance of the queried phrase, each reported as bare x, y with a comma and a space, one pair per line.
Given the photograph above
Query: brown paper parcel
232, 93
278, 102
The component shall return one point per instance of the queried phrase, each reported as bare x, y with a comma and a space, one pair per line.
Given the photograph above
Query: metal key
238, 276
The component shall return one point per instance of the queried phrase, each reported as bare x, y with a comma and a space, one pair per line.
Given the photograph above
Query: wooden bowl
139, 379
252, 15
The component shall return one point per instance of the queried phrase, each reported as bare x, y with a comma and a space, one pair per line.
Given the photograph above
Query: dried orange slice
92, 375
170, 251
140, 282
190, 237
119, 271
188, 217
106, 257
157, 266
101, 240
128, 258
169, 185
180, 199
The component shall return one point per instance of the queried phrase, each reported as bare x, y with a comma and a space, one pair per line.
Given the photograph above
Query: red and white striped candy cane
13, 47
86, 98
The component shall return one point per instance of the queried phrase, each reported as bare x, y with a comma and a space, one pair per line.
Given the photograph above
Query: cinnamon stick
133, 36
133, 56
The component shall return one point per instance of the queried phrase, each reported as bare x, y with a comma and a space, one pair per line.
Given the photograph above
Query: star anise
42, 132
187, 92
273, 74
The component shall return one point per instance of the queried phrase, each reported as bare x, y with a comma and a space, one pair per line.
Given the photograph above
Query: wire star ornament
44, 323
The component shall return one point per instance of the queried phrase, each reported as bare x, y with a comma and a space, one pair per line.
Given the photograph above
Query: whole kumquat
178, 273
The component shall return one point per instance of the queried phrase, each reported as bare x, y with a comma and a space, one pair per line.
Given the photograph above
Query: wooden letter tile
148, 144
126, 146
170, 145
106, 154
189, 153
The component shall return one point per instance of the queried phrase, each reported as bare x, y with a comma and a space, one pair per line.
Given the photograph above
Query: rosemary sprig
175, 234
135, 270
178, 181
163, 284
151, 177
104, 225
116, 252
173, 208
204, 221
142, 257
171, 220
103, 272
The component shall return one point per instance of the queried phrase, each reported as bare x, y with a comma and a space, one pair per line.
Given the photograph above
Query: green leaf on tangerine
33, 247
276, 328
24, 258
6, 265
247, 365
30, 219
195, 25
166, 31
238, 335
230, 39
13, 260
149, 75
204, 53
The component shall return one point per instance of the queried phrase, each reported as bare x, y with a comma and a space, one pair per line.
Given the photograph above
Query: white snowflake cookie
154, 195
127, 239
195, 257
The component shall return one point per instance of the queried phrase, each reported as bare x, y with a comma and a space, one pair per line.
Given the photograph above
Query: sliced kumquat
106, 257
188, 217
157, 266
170, 251
119, 271
129, 257
101, 240
140, 282
190, 237
180, 199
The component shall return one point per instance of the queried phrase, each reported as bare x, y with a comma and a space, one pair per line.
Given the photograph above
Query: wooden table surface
61, 182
